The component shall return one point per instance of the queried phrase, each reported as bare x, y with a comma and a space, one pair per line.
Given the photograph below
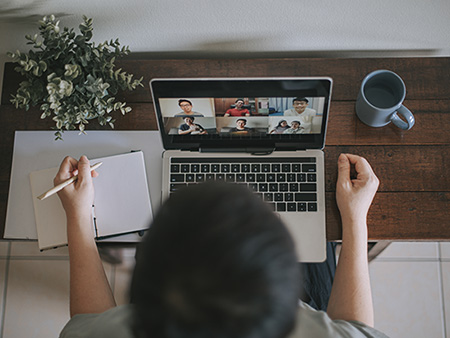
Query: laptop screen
239, 114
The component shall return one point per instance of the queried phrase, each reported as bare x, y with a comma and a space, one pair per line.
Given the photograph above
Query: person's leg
317, 279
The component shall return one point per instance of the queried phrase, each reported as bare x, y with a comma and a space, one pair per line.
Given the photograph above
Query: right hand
354, 196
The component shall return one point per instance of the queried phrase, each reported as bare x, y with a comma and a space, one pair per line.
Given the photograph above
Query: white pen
64, 184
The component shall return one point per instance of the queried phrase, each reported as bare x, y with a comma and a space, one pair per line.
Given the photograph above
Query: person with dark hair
296, 128
189, 127
302, 112
237, 110
240, 127
186, 106
232, 273
280, 128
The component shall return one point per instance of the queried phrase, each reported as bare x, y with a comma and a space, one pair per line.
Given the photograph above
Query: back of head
215, 263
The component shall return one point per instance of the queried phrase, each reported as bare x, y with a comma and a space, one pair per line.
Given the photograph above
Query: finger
84, 169
68, 165
343, 169
361, 165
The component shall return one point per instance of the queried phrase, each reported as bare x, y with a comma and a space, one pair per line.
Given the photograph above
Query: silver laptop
265, 133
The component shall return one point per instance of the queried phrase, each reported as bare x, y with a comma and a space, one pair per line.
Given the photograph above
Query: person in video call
225, 274
302, 112
186, 106
280, 128
189, 127
295, 128
238, 110
240, 127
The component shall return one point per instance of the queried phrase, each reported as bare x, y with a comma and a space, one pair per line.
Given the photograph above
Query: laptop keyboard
286, 184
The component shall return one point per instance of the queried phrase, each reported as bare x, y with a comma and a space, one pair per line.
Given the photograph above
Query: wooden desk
413, 166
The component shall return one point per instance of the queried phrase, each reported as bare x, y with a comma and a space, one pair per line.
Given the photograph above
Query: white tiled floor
410, 284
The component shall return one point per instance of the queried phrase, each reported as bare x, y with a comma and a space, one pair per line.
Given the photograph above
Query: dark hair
279, 123
296, 122
184, 100
300, 99
245, 121
239, 100
189, 117
227, 268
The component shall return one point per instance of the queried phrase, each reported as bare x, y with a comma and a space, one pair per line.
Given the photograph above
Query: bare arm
89, 288
351, 297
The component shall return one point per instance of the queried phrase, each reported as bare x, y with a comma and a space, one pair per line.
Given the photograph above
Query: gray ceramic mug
380, 101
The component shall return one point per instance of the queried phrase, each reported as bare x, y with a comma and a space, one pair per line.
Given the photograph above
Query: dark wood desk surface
413, 166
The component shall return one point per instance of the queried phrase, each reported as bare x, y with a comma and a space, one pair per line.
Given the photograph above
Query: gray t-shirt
115, 323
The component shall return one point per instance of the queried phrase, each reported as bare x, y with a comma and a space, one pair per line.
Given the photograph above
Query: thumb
343, 169
84, 169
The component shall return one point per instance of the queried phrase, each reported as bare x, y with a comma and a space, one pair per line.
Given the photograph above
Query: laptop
265, 133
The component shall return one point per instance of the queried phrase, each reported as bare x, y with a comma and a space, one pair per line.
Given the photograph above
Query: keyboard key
260, 177
281, 177
292, 207
245, 168
195, 168
210, 177
225, 168
253, 186
185, 168
230, 177
177, 178
308, 187
281, 207
271, 177
263, 187
311, 177
190, 177
268, 197
235, 168
256, 168
301, 177
278, 197
204, 168
305, 197
296, 167
240, 177
276, 168
284, 187
176, 186
312, 206
200, 178
265, 167
301, 206
309, 168
289, 197
174, 168
291, 177
250, 177
273, 187
220, 177
286, 167
293, 187
215, 168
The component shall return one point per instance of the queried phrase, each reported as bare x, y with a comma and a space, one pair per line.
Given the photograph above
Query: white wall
233, 28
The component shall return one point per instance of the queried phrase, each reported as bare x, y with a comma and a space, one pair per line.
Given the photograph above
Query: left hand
76, 198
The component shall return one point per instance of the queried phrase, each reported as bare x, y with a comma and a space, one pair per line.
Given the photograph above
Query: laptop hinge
253, 151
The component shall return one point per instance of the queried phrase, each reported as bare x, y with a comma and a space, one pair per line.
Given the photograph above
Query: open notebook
121, 202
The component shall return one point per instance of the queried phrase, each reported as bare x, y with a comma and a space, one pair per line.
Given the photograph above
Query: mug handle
406, 113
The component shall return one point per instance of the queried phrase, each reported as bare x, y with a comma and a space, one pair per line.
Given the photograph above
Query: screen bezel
242, 87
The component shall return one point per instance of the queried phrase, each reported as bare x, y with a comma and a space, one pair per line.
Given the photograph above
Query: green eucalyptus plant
70, 77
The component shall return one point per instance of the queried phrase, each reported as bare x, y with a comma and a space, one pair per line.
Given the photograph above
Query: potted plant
71, 78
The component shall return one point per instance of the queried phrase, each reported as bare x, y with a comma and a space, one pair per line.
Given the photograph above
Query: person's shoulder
313, 323
289, 112
310, 111
113, 323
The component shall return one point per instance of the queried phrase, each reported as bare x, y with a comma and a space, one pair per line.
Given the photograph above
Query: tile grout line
441, 282
2, 320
